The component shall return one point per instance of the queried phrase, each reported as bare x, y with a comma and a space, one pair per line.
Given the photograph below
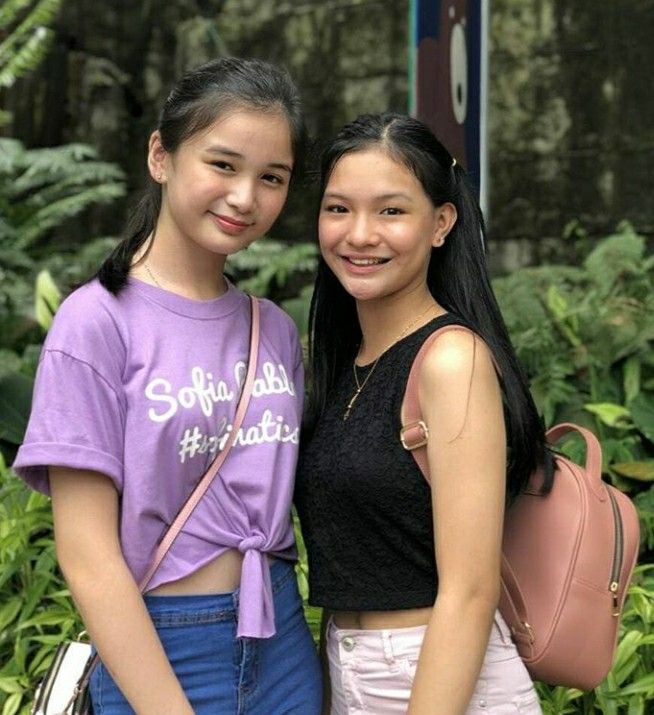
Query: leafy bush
584, 336
36, 611
40, 189
26, 37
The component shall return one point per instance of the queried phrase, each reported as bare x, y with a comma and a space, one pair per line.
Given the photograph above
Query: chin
362, 293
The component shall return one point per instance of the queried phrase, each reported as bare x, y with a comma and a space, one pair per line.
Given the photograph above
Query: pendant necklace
361, 385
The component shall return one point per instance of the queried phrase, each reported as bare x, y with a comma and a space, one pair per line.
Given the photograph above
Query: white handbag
59, 693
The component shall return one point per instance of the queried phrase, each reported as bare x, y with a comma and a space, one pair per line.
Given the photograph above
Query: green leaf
642, 686
46, 299
642, 414
12, 703
10, 685
9, 612
609, 413
642, 471
631, 377
15, 401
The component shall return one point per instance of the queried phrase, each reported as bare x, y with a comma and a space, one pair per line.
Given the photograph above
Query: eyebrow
381, 197
217, 149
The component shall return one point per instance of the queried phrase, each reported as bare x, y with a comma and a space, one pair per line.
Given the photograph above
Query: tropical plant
268, 267
40, 189
36, 611
629, 687
584, 335
585, 338
26, 37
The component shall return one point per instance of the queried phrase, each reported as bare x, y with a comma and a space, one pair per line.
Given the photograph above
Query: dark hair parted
201, 96
457, 277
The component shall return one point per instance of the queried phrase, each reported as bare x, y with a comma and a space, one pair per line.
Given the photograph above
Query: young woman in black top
409, 576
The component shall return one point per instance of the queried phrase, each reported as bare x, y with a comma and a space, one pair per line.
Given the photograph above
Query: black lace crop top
364, 507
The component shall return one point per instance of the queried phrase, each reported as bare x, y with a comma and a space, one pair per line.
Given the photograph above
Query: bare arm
85, 508
461, 402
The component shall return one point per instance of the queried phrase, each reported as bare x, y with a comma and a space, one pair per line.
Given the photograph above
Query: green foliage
36, 612
41, 188
584, 336
311, 613
25, 29
268, 265
629, 687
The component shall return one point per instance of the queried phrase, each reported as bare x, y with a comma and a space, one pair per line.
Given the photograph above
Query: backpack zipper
614, 585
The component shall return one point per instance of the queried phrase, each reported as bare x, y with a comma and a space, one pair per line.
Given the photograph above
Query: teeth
366, 261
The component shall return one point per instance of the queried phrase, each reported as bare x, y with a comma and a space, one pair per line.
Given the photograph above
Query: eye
392, 211
273, 179
335, 209
223, 165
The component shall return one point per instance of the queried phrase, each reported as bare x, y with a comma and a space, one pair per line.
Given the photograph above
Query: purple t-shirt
143, 388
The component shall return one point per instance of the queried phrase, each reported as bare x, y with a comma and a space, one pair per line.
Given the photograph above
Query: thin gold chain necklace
151, 274
361, 385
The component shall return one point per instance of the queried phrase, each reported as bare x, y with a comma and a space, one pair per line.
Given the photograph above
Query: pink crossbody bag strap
205, 482
194, 499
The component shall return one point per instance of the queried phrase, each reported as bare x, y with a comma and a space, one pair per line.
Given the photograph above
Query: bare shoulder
457, 356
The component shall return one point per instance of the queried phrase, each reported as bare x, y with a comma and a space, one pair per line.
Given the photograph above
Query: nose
362, 232
242, 195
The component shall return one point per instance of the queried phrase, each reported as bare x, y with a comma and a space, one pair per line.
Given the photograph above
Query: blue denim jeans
225, 675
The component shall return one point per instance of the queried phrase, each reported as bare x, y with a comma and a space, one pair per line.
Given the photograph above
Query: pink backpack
567, 557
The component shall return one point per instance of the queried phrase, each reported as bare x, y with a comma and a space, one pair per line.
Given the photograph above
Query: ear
444, 219
157, 158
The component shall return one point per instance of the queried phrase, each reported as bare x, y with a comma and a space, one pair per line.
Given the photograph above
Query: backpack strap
414, 433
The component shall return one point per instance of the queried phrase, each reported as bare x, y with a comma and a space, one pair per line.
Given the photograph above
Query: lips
363, 265
366, 260
230, 225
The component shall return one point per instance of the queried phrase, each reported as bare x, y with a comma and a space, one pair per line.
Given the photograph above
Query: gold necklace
360, 386
151, 274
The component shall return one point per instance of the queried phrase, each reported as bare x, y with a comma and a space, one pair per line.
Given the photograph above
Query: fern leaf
45, 187
26, 58
54, 214
41, 15
10, 10
11, 156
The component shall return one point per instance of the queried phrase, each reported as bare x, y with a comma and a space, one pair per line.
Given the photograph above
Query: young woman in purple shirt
135, 393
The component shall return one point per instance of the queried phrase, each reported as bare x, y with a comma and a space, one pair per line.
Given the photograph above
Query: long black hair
457, 277
200, 97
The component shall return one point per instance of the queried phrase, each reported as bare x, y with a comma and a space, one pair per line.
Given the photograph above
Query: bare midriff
222, 575
378, 620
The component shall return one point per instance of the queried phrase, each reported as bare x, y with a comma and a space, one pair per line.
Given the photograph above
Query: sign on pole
448, 67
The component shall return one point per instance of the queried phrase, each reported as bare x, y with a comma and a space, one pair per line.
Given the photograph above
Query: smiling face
377, 226
224, 186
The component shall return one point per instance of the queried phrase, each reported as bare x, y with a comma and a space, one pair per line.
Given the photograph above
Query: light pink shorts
372, 672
